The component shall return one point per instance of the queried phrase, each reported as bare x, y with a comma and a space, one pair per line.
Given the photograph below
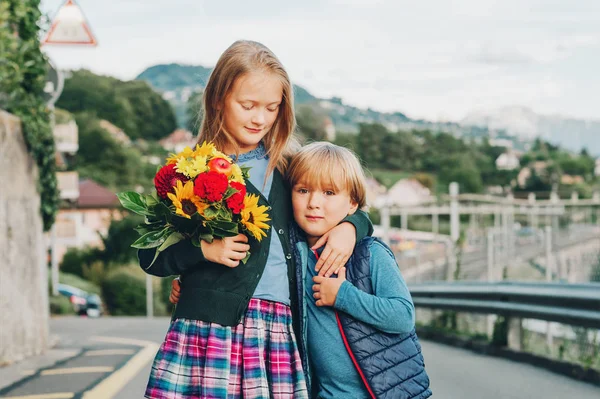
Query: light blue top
390, 309
274, 284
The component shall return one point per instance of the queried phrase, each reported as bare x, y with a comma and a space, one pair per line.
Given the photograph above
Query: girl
232, 334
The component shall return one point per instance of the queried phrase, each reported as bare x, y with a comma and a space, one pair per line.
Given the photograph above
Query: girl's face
251, 108
319, 209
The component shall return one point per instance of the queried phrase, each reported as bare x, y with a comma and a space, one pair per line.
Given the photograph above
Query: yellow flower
254, 217
191, 167
205, 150
219, 154
185, 201
186, 153
236, 174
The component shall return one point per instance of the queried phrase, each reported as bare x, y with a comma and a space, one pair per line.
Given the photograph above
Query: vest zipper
347, 346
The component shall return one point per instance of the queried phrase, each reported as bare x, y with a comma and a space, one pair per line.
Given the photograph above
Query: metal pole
490, 255
490, 276
548, 236
53, 260
53, 243
454, 213
385, 223
149, 304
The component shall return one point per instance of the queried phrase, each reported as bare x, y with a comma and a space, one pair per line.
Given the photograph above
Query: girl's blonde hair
324, 164
241, 58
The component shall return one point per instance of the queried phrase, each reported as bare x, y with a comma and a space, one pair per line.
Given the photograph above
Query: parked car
84, 303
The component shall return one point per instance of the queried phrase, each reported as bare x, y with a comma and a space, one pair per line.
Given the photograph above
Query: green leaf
246, 258
147, 228
227, 226
152, 239
134, 202
173, 238
230, 191
211, 212
151, 200
206, 237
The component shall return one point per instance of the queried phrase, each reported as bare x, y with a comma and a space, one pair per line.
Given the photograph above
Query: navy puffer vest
391, 365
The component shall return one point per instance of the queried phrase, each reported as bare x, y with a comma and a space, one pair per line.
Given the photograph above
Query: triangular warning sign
70, 27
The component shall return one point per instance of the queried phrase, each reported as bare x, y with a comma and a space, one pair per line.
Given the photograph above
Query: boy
357, 327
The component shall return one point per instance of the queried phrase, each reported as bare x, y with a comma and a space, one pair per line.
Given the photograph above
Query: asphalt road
110, 344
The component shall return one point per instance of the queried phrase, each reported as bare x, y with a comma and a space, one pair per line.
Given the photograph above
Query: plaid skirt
257, 359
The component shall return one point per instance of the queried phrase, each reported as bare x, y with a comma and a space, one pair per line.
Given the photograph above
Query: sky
431, 59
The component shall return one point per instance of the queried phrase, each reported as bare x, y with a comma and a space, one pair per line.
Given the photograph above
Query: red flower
236, 201
210, 186
166, 179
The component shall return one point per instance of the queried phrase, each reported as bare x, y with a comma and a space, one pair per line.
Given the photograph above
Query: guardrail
573, 304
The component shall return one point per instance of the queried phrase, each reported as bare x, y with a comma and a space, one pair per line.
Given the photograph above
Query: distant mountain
570, 133
178, 82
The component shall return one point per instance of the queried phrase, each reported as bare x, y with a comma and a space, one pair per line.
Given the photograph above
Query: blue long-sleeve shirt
389, 309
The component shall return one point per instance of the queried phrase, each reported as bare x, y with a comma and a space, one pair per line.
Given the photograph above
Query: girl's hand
340, 245
228, 251
175, 291
326, 289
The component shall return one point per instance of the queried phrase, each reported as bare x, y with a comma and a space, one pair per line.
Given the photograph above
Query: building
89, 217
116, 132
406, 192
178, 140
329, 129
525, 173
374, 191
508, 161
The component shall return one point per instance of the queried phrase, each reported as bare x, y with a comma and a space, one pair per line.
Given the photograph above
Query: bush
124, 294
75, 259
60, 305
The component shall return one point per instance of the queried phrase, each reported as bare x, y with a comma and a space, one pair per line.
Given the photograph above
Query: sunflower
186, 153
236, 174
205, 150
192, 167
253, 217
186, 203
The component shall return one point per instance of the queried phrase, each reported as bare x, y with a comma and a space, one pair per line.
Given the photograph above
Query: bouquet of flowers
200, 195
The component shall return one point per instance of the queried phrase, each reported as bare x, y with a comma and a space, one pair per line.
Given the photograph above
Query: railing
574, 304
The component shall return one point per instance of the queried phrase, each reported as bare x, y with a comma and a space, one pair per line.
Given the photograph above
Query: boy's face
251, 108
318, 209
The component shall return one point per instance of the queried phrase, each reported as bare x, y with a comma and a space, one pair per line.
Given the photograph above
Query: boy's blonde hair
328, 165
241, 58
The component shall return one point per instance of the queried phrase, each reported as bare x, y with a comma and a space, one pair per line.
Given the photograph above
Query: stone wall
24, 309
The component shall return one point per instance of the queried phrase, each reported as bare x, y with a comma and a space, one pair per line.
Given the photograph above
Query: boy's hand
326, 288
228, 251
175, 291
340, 242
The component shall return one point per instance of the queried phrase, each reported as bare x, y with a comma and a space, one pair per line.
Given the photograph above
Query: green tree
401, 151
107, 162
463, 170
311, 122
371, 137
194, 112
133, 106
